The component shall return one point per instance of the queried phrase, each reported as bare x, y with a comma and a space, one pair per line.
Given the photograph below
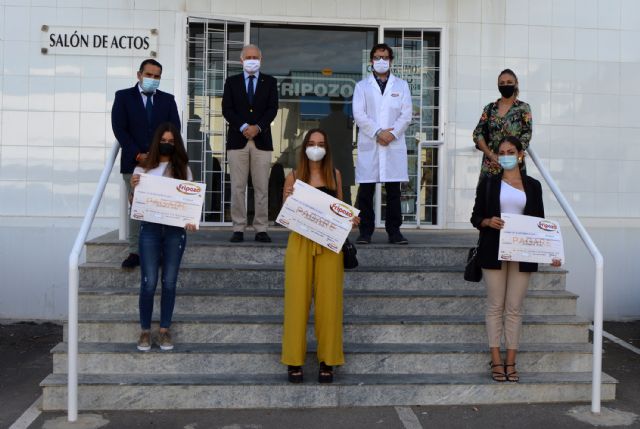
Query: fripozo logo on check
547, 225
342, 210
189, 188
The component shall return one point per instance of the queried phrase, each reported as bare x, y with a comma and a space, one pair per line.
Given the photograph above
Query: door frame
181, 73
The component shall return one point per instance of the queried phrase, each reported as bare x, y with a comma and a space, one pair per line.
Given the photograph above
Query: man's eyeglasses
378, 58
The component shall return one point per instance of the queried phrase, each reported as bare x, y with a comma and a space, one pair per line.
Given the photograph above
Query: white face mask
315, 153
251, 66
381, 66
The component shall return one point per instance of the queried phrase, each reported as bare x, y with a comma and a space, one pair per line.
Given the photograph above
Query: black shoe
132, 261
397, 238
237, 237
263, 237
363, 239
295, 374
325, 374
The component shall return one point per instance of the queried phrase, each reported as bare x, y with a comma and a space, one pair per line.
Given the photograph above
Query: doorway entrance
317, 68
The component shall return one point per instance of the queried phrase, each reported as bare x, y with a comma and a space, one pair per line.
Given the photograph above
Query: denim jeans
166, 242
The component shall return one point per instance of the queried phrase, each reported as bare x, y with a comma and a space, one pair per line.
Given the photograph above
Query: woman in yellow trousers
312, 271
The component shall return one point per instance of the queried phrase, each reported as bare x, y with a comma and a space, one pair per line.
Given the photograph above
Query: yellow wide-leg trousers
312, 271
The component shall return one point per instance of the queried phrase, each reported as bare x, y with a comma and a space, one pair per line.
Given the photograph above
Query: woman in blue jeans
166, 157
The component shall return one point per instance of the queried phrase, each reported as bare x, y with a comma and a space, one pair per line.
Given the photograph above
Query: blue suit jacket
237, 111
131, 126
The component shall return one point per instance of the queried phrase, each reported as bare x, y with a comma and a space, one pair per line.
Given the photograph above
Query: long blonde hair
303, 170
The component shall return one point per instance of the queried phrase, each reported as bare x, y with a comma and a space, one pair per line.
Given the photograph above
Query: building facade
578, 64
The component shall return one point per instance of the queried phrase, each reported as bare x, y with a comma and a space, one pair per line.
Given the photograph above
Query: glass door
213, 53
417, 60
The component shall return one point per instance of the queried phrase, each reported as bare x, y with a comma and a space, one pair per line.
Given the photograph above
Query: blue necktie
250, 90
149, 107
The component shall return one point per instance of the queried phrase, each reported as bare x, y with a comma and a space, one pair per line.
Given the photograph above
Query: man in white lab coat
382, 110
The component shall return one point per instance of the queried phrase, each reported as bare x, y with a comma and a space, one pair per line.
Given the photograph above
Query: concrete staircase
413, 330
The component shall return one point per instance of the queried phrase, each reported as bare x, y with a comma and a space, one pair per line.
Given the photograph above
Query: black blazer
490, 237
131, 126
237, 111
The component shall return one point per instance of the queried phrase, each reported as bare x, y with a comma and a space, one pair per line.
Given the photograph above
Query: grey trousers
242, 162
134, 225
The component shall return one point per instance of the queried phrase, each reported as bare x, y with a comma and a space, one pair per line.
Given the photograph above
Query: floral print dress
516, 122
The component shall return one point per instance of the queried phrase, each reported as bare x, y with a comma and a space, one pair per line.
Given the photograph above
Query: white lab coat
373, 111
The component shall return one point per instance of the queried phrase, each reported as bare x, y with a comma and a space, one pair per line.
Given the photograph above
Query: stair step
426, 248
230, 301
198, 358
248, 276
193, 391
198, 328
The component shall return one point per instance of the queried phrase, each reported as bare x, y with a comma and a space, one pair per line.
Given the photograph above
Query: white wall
578, 64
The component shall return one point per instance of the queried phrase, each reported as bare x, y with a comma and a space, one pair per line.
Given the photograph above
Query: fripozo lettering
547, 226
189, 188
341, 210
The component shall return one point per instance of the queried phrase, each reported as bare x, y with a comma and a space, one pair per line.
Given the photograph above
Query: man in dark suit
135, 115
250, 104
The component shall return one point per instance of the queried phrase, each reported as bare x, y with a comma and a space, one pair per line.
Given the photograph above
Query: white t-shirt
512, 200
160, 170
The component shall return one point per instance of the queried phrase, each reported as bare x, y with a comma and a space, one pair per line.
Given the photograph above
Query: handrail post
74, 281
123, 230
597, 336
598, 299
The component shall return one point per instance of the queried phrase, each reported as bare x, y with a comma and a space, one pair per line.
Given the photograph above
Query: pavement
24, 353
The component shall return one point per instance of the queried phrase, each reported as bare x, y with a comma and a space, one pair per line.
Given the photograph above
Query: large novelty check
530, 239
167, 201
317, 216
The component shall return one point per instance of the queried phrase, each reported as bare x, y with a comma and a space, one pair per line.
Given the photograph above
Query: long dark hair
518, 144
304, 172
179, 161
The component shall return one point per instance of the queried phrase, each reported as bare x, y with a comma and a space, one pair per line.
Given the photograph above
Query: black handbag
472, 271
349, 252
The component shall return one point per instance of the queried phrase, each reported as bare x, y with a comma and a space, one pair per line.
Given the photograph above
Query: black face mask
507, 90
166, 149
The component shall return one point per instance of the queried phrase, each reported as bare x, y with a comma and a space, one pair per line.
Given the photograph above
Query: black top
327, 191
487, 206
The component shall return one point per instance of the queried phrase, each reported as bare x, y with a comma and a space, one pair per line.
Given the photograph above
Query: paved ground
24, 353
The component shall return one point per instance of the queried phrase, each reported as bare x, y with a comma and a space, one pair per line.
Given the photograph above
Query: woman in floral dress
507, 116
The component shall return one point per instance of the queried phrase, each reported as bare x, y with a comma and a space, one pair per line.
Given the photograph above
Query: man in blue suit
135, 115
250, 104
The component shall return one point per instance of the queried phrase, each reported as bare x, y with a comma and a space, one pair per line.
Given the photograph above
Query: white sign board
317, 216
167, 201
530, 239
123, 42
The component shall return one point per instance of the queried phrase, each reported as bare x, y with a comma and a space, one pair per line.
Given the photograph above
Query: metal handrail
74, 279
421, 145
596, 380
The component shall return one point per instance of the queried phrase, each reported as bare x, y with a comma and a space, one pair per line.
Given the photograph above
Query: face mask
381, 66
507, 90
251, 66
150, 85
166, 149
315, 153
508, 162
